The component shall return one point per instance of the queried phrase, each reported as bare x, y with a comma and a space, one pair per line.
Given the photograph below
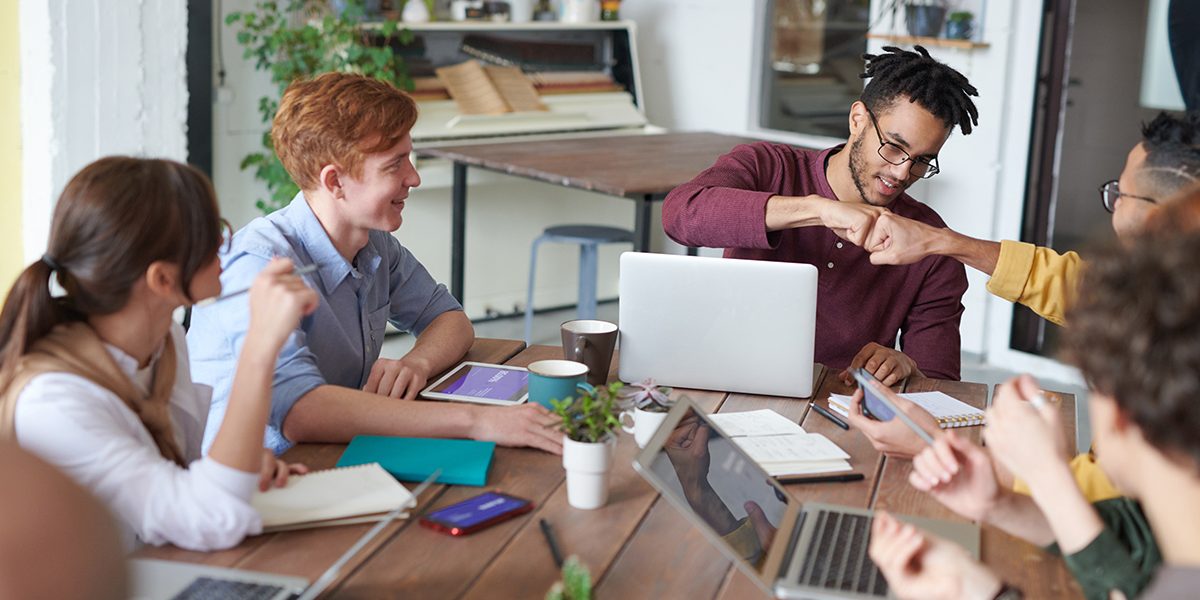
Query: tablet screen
485, 381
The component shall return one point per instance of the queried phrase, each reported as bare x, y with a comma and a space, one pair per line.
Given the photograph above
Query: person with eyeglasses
1164, 163
768, 201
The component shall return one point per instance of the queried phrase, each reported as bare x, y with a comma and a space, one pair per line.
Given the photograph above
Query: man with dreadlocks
770, 201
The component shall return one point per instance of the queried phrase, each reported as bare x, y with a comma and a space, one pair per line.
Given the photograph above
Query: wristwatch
1008, 592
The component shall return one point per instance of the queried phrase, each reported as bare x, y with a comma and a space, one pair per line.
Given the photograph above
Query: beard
858, 167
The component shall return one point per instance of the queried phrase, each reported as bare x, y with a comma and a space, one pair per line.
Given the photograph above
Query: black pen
820, 478
832, 417
549, 534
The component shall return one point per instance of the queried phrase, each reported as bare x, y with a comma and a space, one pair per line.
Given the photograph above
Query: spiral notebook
331, 497
950, 412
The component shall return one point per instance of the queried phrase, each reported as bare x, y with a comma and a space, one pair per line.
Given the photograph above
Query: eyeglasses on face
921, 167
1110, 192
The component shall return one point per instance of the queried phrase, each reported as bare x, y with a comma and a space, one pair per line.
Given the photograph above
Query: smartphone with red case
476, 513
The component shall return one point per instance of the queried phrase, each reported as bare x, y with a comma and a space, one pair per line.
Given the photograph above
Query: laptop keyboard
837, 556
206, 588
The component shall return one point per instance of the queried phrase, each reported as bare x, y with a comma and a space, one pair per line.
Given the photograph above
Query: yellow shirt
1037, 277
1045, 281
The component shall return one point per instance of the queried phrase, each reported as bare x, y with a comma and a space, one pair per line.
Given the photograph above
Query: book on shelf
781, 446
489, 90
338, 496
949, 411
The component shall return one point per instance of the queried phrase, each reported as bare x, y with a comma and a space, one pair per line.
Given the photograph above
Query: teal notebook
463, 462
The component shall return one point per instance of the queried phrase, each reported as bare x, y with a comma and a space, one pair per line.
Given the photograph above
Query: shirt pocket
376, 324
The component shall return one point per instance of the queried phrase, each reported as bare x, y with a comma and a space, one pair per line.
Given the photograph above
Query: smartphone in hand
476, 513
879, 407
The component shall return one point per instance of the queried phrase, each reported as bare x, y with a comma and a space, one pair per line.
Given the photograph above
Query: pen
549, 534
832, 417
841, 477
306, 269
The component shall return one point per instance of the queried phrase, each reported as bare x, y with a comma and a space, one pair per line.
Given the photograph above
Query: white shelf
502, 26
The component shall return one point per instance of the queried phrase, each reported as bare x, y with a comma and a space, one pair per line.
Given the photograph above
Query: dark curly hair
939, 89
1135, 332
1172, 147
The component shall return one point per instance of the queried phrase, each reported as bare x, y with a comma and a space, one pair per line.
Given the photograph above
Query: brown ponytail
114, 218
29, 313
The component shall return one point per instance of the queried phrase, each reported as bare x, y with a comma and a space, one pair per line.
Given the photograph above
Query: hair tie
50, 262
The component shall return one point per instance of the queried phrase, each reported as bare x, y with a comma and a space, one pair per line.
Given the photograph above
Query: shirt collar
332, 266
823, 187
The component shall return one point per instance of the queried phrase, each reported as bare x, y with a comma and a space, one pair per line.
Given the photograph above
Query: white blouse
89, 433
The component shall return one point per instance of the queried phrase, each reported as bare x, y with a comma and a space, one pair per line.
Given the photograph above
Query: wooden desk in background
643, 168
637, 546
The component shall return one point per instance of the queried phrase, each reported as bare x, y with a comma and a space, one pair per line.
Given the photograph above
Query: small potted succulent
645, 406
959, 25
576, 582
588, 421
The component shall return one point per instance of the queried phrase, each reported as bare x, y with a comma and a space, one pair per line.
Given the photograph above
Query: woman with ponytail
96, 380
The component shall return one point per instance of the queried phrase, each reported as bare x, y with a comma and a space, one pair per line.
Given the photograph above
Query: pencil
550, 541
304, 270
841, 477
829, 415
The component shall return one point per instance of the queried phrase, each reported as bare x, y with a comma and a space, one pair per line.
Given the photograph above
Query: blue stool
589, 238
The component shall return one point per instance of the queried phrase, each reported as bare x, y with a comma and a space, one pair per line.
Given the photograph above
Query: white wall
98, 78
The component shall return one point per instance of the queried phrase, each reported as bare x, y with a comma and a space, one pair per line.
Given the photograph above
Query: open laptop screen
702, 470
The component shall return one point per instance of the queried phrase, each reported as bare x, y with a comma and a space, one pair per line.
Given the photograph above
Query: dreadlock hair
1172, 147
935, 86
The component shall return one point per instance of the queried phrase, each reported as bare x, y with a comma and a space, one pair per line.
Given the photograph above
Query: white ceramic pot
579, 11
588, 466
642, 424
521, 11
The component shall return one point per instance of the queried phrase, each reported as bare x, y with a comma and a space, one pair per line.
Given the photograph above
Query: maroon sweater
857, 302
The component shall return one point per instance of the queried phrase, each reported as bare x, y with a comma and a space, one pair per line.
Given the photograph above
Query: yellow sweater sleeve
1037, 277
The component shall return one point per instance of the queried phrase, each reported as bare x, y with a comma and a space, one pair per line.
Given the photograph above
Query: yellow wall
11, 254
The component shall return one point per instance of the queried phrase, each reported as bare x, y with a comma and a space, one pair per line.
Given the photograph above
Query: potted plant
924, 18
588, 420
645, 406
576, 582
959, 25
297, 39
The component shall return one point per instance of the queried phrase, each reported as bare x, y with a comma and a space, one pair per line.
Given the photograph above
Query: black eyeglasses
1109, 193
921, 167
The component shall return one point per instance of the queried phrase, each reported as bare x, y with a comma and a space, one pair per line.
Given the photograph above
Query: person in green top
1135, 335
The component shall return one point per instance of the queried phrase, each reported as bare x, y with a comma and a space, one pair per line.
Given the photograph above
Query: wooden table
643, 168
637, 546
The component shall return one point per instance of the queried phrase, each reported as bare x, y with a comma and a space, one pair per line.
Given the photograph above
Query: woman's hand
274, 471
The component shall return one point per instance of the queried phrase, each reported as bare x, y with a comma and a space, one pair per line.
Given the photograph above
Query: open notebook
331, 497
779, 445
949, 411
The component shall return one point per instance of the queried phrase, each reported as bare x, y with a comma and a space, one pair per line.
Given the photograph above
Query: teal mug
556, 380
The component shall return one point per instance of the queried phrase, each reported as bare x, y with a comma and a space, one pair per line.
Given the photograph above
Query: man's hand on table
403, 378
888, 365
524, 425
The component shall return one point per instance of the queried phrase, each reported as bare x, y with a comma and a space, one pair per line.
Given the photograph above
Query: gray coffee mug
591, 343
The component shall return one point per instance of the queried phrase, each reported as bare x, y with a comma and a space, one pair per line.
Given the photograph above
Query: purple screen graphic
489, 382
476, 510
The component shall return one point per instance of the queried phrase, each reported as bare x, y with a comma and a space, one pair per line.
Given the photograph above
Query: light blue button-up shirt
337, 344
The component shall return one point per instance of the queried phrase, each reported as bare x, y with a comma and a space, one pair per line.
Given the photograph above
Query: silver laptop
718, 323
796, 549
163, 579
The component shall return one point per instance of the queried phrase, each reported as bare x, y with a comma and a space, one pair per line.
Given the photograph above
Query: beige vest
76, 349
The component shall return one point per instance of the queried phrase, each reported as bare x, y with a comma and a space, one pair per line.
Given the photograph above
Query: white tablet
482, 383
